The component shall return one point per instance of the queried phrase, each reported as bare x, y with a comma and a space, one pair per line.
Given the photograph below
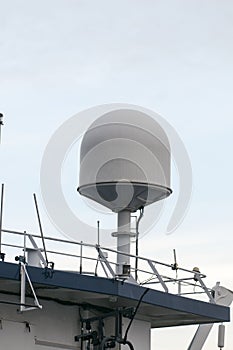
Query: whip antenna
40, 226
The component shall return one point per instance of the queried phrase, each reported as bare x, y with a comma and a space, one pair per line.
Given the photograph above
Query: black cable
104, 341
130, 345
110, 339
137, 237
131, 321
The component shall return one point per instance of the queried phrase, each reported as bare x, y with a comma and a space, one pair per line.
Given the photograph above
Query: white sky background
175, 57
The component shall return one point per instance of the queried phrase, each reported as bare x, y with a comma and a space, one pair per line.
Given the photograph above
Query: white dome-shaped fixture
125, 161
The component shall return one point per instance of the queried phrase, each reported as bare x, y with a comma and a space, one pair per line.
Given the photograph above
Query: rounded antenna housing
125, 165
125, 161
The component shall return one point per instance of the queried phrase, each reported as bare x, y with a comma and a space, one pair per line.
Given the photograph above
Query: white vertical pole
123, 239
1, 214
22, 289
221, 336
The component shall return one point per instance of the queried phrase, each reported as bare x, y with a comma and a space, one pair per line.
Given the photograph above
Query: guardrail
92, 259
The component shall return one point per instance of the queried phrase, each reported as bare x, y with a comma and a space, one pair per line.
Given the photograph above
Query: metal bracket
158, 275
97, 338
24, 275
105, 261
33, 242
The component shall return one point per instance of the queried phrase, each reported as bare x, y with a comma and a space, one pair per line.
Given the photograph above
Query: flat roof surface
161, 309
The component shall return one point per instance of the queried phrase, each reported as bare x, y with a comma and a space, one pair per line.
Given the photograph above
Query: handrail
108, 267
103, 248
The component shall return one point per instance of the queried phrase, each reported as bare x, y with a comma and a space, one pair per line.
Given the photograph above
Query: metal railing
92, 259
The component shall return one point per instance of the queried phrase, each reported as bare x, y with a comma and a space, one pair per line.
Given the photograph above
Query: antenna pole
174, 253
98, 232
123, 240
40, 226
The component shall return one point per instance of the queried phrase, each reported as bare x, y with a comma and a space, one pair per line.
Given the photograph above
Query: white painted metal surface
223, 296
221, 336
123, 240
33, 257
139, 334
55, 324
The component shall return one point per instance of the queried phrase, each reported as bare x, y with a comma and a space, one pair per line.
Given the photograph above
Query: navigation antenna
125, 164
48, 264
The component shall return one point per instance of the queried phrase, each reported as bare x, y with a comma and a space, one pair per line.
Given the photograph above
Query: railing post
179, 287
22, 288
81, 258
2, 255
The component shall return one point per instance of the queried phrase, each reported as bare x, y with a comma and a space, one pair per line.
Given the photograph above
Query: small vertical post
123, 240
22, 288
98, 233
221, 336
41, 231
2, 255
179, 287
81, 258
24, 245
137, 237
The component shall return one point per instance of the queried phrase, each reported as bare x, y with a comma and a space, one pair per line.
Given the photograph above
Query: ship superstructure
63, 294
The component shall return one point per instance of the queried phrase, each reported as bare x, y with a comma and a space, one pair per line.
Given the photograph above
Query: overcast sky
175, 57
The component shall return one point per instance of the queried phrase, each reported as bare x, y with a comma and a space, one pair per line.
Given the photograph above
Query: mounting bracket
25, 276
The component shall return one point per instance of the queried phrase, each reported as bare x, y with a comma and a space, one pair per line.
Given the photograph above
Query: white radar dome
125, 161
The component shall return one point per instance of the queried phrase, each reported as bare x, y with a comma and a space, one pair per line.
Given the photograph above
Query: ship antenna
129, 177
98, 233
98, 245
40, 226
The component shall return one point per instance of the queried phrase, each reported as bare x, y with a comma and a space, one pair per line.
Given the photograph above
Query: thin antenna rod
98, 232
1, 214
174, 253
98, 244
41, 231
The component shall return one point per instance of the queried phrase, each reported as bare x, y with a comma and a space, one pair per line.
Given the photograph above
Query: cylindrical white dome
125, 161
